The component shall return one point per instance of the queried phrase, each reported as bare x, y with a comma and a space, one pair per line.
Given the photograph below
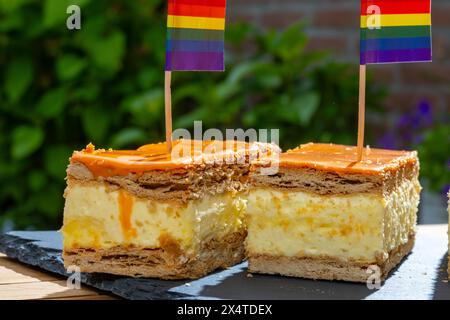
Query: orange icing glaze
125, 209
90, 148
149, 157
340, 158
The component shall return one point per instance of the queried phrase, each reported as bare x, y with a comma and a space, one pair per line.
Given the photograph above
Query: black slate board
421, 276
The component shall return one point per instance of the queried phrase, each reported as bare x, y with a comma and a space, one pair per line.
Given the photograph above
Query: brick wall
333, 25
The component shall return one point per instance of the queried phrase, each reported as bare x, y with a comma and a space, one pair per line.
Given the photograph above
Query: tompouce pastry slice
325, 217
144, 213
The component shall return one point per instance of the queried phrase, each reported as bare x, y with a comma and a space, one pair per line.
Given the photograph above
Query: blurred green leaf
95, 124
37, 180
56, 158
148, 77
289, 44
69, 66
108, 52
52, 103
306, 105
233, 82
54, 12
238, 33
19, 75
128, 136
11, 169
9, 6
11, 22
150, 103
87, 93
25, 141
188, 119
49, 201
434, 157
268, 77
188, 91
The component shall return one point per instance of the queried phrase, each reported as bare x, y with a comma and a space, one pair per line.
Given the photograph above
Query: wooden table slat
15, 272
90, 297
41, 290
21, 282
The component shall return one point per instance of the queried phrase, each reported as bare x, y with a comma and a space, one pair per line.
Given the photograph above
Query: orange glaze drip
106, 163
340, 158
125, 209
90, 148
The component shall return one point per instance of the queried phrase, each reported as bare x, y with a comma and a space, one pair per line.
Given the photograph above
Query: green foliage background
60, 89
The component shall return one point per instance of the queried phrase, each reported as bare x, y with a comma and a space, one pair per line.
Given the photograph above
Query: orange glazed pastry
323, 216
148, 213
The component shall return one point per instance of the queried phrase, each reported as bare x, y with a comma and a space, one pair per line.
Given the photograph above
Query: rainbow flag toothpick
195, 35
395, 31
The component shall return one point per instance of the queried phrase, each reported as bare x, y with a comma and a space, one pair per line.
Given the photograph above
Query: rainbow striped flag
195, 35
395, 31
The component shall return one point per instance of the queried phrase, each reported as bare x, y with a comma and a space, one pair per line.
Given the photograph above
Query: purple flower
417, 139
388, 141
446, 189
416, 122
425, 112
404, 121
424, 108
410, 127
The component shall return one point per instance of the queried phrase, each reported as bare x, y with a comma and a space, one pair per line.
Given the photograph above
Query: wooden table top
21, 282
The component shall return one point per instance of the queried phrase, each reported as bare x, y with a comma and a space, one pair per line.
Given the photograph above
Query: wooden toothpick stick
168, 109
362, 110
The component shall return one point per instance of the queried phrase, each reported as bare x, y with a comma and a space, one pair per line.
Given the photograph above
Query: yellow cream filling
360, 227
95, 217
